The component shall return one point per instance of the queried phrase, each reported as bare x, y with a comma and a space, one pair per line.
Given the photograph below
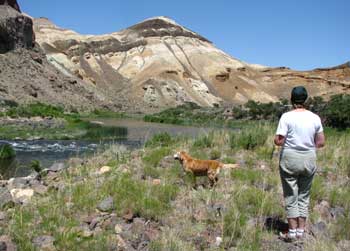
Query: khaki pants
297, 169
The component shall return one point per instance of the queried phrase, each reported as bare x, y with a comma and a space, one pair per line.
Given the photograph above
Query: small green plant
215, 154
7, 152
204, 141
249, 138
152, 172
36, 166
154, 157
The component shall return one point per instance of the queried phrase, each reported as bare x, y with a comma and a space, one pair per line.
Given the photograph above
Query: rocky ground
142, 200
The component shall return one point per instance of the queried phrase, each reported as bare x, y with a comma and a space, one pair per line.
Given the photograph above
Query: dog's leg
212, 176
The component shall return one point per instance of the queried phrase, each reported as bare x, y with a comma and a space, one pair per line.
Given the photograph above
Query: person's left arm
281, 132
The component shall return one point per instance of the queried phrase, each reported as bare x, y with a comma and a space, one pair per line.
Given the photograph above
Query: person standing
300, 133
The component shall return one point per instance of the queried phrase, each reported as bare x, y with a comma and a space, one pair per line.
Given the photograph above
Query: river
48, 152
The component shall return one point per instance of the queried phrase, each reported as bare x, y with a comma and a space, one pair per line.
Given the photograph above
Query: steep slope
26, 75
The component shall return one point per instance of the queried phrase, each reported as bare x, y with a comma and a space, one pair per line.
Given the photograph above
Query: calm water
50, 151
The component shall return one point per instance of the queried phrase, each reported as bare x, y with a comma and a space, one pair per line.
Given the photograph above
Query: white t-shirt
299, 129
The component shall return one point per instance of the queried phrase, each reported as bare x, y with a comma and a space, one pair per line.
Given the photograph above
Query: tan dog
209, 168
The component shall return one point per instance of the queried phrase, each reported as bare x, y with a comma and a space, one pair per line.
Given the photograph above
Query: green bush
249, 139
7, 152
204, 141
154, 157
337, 111
161, 139
36, 109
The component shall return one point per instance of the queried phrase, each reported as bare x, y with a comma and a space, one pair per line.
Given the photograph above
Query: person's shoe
300, 233
289, 236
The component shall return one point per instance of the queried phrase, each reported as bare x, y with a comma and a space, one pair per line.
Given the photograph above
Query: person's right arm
319, 140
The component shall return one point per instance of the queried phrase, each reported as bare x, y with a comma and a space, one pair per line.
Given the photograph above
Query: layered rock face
26, 75
16, 30
157, 64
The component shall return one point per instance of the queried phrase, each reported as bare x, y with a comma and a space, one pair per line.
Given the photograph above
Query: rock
118, 229
40, 189
121, 242
22, 196
128, 216
106, 205
94, 222
218, 241
75, 162
11, 3
44, 242
323, 209
14, 183
16, 30
56, 167
167, 162
2, 216
138, 225
319, 229
3, 246
5, 197
344, 245
103, 170
156, 182
337, 212
10, 246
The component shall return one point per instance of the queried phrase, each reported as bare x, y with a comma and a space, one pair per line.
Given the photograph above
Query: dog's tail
230, 166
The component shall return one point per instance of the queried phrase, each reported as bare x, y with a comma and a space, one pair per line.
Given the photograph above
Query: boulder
16, 30
44, 242
106, 205
22, 196
103, 170
7, 243
5, 197
56, 167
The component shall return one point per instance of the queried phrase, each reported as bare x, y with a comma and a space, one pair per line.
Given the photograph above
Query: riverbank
40, 121
142, 199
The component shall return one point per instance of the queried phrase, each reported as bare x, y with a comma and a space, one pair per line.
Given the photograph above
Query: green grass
161, 139
246, 195
153, 158
34, 110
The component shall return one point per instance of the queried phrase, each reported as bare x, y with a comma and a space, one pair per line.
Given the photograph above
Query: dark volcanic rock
12, 3
16, 30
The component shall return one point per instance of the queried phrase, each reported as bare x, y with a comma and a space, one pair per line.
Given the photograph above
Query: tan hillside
158, 63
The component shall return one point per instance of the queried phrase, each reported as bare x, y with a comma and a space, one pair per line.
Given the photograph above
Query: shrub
36, 166
153, 158
204, 141
7, 152
248, 139
161, 139
337, 112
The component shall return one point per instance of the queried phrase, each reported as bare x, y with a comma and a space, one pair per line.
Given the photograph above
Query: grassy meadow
240, 213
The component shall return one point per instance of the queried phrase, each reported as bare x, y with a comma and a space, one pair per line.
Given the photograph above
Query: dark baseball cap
299, 95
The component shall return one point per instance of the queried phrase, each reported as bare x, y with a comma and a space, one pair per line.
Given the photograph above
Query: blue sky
301, 34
